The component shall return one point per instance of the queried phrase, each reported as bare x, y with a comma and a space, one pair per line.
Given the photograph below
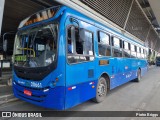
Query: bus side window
117, 47
145, 54
104, 44
72, 33
142, 53
87, 43
133, 51
79, 45
126, 50
86, 39
138, 52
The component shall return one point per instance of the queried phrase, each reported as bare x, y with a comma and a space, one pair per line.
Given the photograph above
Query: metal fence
128, 15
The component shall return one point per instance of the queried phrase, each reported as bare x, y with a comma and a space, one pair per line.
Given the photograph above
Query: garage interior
14, 12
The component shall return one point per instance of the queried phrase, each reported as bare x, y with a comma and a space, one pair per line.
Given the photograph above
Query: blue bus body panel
81, 93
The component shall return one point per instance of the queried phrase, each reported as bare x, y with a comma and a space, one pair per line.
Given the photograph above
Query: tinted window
88, 43
116, 49
104, 44
158, 58
79, 50
126, 51
133, 51
142, 53
138, 52
116, 42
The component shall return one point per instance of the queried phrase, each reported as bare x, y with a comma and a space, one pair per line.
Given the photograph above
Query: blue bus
63, 58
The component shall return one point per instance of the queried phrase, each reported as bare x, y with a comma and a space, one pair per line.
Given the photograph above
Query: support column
1, 13
125, 24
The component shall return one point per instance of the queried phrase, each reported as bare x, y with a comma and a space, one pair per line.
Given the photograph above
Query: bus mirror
74, 20
5, 45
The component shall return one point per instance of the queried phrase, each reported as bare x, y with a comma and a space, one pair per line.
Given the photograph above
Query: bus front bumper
52, 98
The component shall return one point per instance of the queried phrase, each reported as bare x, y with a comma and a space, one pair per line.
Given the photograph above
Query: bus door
105, 61
80, 65
118, 61
127, 61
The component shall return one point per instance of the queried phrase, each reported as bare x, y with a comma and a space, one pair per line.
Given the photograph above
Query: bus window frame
135, 50
98, 35
92, 42
143, 51
78, 55
129, 48
119, 48
58, 36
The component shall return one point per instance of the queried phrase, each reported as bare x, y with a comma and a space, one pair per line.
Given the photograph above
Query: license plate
27, 92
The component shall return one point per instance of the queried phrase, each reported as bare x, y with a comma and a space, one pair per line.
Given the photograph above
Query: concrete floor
133, 96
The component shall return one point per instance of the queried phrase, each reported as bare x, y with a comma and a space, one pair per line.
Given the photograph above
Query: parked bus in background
63, 58
158, 61
152, 57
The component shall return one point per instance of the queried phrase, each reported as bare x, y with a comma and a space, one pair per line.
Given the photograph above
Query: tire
138, 79
101, 90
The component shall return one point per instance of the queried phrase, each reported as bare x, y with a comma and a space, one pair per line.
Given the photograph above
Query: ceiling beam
41, 3
45, 3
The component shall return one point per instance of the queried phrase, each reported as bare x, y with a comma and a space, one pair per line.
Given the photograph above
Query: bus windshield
36, 47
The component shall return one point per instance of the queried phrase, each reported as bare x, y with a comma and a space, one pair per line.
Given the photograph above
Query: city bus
63, 58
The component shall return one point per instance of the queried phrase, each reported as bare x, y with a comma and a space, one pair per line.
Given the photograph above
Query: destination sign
40, 16
20, 58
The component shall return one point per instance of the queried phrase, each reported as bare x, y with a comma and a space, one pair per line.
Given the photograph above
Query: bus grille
37, 94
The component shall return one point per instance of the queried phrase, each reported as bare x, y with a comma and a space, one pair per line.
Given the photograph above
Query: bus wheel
101, 90
138, 79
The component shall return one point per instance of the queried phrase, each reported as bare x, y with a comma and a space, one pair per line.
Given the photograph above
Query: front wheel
101, 90
138, 79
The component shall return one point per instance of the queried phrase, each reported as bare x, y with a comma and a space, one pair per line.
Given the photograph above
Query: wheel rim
101, 90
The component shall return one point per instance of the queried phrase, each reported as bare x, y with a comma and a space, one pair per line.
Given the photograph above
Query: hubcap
101, 90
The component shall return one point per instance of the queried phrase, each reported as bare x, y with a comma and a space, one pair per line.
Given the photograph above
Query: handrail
29, 49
